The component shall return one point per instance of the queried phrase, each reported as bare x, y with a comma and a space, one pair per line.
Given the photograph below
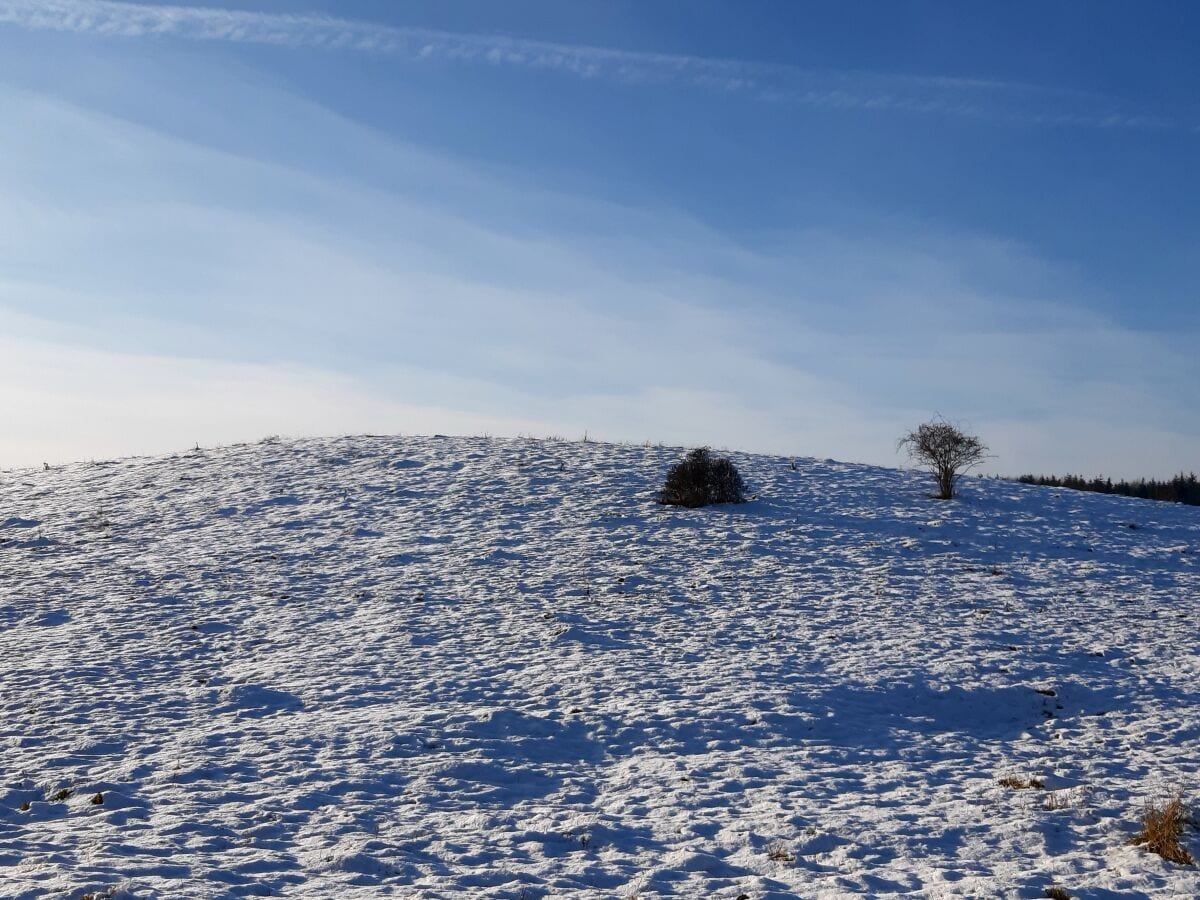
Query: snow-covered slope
434, 667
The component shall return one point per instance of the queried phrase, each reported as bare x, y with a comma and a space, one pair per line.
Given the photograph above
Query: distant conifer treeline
1180, 489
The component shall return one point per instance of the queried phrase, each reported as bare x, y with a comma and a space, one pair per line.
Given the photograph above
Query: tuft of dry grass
779, 851
1162, 826
1057, 893
1022, 784
1056, 800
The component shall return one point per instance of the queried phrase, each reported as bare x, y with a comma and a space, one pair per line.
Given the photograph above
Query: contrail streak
998, 101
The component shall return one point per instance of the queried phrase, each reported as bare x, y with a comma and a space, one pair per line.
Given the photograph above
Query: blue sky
795, 227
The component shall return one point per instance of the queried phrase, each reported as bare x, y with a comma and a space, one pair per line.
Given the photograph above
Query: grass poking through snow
1162, 826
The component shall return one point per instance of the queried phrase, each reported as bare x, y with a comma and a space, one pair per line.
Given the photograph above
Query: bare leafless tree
945, 450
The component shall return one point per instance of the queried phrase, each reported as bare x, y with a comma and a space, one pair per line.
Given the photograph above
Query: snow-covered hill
436, 667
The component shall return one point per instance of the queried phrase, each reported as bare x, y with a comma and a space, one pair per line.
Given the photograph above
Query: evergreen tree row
1180, 489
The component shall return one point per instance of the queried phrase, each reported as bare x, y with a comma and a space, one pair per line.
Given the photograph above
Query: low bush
701, 479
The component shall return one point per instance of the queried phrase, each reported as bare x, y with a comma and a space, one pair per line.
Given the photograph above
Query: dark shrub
701, 479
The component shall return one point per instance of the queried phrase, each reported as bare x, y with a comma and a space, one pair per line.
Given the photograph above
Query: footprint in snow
254, 700
212, 627
49, 619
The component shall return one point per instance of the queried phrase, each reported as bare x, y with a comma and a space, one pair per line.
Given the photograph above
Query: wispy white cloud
1000, 101
155, 292
70, 401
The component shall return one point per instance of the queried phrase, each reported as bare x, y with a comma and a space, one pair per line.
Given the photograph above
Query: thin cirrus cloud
142, 312
161, 286
430, 318
61, 394
998, 101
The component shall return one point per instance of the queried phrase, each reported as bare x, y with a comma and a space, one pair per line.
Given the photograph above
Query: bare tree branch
945, 450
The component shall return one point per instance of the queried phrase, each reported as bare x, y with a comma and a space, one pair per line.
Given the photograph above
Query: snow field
465, 667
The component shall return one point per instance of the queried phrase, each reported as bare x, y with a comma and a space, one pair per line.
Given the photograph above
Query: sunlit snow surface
435, 667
